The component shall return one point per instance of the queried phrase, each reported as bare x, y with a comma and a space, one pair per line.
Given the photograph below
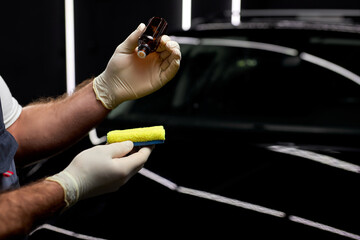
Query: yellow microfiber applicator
139, 136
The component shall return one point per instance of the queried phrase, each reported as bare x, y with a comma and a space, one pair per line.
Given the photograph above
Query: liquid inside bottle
150, 39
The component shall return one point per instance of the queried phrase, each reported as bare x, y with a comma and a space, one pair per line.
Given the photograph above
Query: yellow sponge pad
140, 136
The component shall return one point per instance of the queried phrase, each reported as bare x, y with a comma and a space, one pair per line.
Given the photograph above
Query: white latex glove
128, 77
100, 169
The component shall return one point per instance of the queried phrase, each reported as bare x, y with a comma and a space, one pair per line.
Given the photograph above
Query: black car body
267, 113
262, 138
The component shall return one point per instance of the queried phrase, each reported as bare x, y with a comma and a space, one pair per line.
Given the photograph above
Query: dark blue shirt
8, 148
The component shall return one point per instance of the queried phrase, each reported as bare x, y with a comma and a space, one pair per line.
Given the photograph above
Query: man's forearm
28, 206
47, 128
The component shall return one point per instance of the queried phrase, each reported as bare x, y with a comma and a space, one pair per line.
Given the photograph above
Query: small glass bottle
150, 39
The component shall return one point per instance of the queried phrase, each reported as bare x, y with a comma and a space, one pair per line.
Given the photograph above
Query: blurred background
32, 43
264, 161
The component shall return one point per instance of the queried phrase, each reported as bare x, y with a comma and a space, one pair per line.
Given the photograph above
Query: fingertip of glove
165, 38
129, 145
141, 27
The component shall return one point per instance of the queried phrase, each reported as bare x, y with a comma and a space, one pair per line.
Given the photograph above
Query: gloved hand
100, 169
128, 77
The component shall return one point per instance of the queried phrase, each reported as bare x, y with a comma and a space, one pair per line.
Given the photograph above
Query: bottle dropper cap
141, 54
143, 50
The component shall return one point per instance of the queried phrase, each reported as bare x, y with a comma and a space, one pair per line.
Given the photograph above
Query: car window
261, 82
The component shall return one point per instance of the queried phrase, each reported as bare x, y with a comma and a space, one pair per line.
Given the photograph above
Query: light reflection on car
268, 114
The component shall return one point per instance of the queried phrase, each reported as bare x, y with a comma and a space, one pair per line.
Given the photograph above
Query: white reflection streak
253, 207
65, 232
235, 12
323, 227
70, 46
186, 14
186, 40
330, 66
210, 196
158, 179
236, 43
94, 139
230, 201
324, 159
250, 44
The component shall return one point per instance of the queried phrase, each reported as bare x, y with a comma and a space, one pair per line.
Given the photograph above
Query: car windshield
237, 79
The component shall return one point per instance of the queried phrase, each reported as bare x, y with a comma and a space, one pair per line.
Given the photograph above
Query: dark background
32, 62
32, 40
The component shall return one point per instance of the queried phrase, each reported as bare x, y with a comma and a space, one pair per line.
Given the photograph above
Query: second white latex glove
100, 169
128, 77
